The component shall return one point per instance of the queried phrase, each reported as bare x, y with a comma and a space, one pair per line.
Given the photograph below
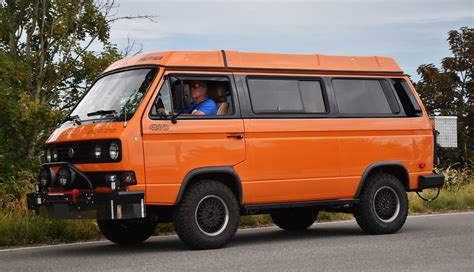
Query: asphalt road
425, 243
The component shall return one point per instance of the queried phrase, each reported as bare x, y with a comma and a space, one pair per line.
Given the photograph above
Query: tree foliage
46, 63
449, 90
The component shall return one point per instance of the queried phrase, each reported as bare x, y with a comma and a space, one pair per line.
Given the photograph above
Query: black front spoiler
75, 204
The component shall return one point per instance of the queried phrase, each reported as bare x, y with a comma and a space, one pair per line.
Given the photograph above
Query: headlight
66, 177
97, 152
55, 154
46, 177
47, 155
114, 151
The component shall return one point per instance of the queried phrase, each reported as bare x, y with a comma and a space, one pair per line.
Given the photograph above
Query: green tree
45, 66
448, 90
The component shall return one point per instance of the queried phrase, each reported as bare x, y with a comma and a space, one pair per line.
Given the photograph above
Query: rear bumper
77, 204
430, 181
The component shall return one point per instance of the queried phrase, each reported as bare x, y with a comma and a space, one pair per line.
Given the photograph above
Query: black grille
97, 179
83, 152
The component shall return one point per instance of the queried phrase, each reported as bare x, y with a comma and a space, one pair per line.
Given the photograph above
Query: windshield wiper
74, 118
102, 112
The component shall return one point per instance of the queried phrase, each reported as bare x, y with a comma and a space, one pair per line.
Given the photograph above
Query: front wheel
129, 231
383, 206
208, 215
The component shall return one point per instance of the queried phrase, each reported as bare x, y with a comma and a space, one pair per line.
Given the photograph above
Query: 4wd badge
159, 127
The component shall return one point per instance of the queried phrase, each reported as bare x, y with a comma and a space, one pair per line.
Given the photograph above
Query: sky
414, 32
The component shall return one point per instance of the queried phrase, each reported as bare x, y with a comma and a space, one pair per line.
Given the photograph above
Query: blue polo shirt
208, 107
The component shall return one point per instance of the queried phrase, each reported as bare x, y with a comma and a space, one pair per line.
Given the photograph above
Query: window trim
233, 91
289, 113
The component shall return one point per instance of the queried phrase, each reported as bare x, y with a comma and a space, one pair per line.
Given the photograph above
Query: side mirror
183, 97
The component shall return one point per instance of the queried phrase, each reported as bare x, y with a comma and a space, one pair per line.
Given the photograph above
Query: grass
19, 227
27, 228
462, 199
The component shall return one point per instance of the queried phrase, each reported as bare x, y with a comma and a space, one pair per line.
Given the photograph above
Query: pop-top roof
245, 60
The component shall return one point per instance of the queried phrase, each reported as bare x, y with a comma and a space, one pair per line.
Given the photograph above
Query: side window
407, 97
363, 96
286, 95
163, 102
312, 96
206, 96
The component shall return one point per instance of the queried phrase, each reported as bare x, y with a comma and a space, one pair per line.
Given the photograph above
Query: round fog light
66, 177
46, 177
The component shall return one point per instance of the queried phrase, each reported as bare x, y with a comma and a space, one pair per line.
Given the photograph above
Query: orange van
200, 138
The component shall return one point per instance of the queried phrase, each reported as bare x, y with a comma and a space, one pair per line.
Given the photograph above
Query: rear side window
286, 95
407, 97
364, 96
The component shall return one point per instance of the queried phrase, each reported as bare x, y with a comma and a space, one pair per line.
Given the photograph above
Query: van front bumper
76, 204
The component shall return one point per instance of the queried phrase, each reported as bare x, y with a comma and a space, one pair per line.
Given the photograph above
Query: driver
201, 105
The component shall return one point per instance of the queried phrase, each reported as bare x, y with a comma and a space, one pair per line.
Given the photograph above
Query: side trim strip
323, 203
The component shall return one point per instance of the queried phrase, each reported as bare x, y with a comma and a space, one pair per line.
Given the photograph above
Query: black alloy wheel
383, 206
208, 215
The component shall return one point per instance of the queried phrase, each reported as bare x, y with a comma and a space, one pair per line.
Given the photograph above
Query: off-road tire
200, 218
377, 212
127, 232
296, 219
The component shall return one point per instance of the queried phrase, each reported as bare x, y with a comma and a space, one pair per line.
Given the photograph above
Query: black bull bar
86, 204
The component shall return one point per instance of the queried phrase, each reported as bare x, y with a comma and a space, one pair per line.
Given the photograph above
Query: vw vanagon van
288, 135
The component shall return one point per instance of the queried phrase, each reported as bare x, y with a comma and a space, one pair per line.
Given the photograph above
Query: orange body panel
325, 158
278, 160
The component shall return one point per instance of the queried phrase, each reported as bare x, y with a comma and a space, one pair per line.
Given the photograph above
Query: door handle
235, 136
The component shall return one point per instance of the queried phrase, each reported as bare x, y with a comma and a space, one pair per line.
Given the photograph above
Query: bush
455, 179
13, 191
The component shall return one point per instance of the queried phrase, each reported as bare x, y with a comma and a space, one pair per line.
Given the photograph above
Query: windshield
117, 95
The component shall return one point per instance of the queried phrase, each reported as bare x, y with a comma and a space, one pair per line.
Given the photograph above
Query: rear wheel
208, 215
294, 219
383, 206
130, 231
